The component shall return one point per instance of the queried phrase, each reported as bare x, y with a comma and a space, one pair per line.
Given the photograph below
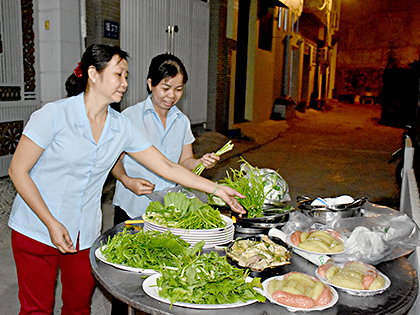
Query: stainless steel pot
326, 214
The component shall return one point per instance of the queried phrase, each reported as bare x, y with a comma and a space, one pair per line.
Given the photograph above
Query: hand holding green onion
227, 147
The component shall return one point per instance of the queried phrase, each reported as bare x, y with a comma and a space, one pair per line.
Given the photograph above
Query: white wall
59, 46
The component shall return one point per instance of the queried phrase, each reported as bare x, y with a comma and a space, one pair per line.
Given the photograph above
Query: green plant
249, 182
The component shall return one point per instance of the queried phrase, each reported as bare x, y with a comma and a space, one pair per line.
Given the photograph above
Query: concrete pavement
341, 150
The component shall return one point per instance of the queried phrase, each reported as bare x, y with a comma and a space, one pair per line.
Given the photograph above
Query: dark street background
340, 150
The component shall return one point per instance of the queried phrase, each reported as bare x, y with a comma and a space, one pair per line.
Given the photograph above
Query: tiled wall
51, 47
59, 40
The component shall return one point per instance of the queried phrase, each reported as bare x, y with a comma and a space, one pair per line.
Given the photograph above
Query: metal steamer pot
326, 214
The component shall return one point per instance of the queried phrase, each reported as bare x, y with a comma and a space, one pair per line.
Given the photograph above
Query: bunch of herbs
146, 250
249, 182
207, 279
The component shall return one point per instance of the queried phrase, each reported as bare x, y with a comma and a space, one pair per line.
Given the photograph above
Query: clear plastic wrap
274, 185
381, 234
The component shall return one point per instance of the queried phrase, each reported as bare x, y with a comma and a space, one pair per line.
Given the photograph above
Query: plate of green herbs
143, 251
180, 212
206, 281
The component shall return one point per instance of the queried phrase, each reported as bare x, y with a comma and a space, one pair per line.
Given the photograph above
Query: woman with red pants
60, 165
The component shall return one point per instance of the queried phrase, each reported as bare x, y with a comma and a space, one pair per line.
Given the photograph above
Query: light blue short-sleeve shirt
169, 141
72, 170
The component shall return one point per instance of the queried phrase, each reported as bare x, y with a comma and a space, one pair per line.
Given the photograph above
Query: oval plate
353, 291
310, 252
101, 257
298, 309
151, 289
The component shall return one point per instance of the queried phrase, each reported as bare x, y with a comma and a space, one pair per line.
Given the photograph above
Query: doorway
241, 61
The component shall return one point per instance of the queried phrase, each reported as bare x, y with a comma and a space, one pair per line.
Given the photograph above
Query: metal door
148, 29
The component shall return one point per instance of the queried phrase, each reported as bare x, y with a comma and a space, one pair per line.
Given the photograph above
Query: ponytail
96, 55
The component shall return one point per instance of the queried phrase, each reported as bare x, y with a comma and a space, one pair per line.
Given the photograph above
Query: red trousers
37, 267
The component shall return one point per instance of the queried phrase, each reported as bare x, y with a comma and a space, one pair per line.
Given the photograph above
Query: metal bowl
325, 214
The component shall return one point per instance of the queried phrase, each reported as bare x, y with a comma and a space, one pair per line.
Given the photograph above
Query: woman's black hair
96, 55
165, 66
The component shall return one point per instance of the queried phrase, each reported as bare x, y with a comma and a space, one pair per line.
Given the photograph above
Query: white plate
211, 237
192, 232
209, 242
149, 286
357, 292
298, 309
102, 258
308, 251
224, 234
229, 224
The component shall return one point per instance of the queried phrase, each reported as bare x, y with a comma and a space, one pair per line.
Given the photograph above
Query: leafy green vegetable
145, 250
207, 279
249, 182
187, 275
180, 212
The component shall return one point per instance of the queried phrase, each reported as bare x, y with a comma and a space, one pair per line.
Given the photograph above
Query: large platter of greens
143, 251
206, 281
189, 218
179, 212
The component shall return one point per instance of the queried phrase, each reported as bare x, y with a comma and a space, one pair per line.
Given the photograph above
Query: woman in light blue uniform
60, 165
167, 128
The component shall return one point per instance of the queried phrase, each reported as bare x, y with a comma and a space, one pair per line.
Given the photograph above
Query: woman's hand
60, 238
209, 160
138, 186
229, 196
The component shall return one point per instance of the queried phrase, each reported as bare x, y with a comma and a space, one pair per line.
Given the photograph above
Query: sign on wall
111, 29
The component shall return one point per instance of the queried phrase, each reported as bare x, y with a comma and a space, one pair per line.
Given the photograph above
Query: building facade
241, 56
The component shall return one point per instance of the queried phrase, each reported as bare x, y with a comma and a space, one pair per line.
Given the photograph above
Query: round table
127, 286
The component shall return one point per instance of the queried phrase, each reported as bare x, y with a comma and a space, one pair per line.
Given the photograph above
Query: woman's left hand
209, 160
229, 196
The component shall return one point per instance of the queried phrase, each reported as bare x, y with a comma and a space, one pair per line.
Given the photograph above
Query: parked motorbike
410, 133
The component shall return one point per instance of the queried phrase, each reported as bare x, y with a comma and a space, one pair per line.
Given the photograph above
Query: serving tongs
355, 204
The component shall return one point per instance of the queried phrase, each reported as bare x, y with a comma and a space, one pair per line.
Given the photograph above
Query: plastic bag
381, 234
274, 185
159, 194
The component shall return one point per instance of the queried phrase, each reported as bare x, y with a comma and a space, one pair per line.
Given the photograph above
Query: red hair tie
78, 70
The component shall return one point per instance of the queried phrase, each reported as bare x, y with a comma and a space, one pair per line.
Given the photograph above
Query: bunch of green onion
227, 147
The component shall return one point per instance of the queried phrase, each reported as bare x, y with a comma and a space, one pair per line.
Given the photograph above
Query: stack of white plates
212, 237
